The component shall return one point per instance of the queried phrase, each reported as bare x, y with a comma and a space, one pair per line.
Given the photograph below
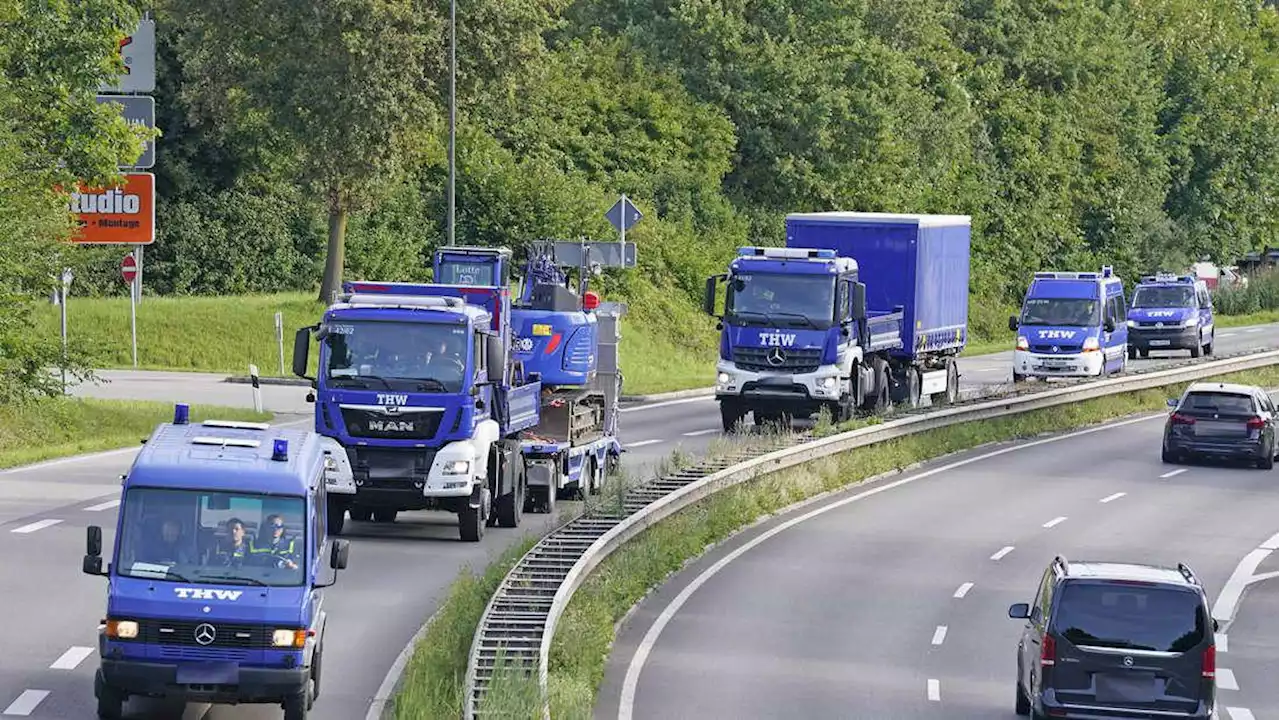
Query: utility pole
453, 108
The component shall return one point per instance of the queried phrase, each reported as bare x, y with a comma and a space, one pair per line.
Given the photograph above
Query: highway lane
397, 577
894, 604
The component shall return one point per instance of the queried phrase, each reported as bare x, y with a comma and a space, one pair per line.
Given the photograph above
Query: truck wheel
730, 415
1132, 352
385, 515
336, 516
295, 706
913, 387
511, 506
953, 381
360, 514
1144, 354
110, 700
471, 523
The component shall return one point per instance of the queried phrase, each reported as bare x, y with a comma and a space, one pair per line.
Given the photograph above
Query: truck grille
1049, 349
401, 426
793, 361
226, 635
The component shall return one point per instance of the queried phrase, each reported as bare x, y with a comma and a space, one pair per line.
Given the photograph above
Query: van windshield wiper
235, 578
360, 379
805, 318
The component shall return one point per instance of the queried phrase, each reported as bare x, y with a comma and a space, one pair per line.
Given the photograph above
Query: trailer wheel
953, 381
913, 387
879, 402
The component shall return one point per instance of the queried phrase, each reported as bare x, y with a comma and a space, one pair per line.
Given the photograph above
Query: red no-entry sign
129, 268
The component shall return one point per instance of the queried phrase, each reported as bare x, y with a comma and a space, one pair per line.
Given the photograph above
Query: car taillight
1209, 664
1048, 650
1178, 419
1256, 423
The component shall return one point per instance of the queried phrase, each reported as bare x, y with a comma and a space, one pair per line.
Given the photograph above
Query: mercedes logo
205, 634
1128, 661
776, 357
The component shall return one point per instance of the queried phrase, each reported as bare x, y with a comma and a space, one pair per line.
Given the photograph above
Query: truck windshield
418, 357
1069, 312
782, 299
1153, 296
215, 538
457, 272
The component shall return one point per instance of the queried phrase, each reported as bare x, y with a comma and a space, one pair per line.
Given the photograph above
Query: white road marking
1171, 473
669, 403
642, 443
1229, 598
696, 433
626, 703
1053, 522
1109, 498
1225, 679
935, 694
37, 525
1239, 713
939, 635
72, 658
1220, 642
26, 703
1253, 330
1272, 544
1226, 334
963, 590
1002, 552
103, 506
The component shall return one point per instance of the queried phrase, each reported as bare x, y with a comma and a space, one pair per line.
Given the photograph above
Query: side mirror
1172, 402
1013, 323
91, 565
497, 359
858, 300
1020, 611
709, 295
1109, 325
301, 348
311, 396
339, 554
93, 541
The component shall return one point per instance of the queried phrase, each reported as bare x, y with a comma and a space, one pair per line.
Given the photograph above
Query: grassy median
47, 428
586, 632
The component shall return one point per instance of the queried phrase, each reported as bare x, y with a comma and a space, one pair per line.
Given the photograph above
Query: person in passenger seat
238, 548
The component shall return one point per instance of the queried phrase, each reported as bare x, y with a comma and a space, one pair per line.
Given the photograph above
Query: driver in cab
280, 547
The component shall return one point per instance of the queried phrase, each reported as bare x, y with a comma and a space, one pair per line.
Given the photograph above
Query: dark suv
1222, 420
1116, 640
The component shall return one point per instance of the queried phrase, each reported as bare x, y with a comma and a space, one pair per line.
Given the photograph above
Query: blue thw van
1072, 325
1171, 312
214, 594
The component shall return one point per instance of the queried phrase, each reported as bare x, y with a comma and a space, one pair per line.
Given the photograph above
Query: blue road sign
623, 215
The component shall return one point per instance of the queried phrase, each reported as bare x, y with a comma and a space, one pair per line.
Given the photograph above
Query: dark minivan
1116, 640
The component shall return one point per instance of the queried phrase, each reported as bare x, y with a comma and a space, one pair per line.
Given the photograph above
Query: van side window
478, 344
842, 300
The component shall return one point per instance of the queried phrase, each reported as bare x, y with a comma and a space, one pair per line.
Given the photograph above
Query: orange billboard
124, 215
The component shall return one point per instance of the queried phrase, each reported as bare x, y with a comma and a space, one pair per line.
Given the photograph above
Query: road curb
246, 380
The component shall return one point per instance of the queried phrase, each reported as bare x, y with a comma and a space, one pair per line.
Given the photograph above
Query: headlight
330, 463
122, 629
457, 467
1190, 322
722, 378
827, 383
1131, 323
1090, 344
289, 638
1022, 343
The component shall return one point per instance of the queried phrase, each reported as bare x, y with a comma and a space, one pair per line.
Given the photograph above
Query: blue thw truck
418, 383
1072, 325
1170, 312
216, 593
858, 312
568, 342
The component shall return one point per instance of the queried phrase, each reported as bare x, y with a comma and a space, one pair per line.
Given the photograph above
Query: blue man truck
1072, 325
1170, 312
858, 312
568, 342
418, 383
216, 593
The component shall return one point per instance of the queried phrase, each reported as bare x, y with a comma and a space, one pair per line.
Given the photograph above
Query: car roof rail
1060, 562
1186, 573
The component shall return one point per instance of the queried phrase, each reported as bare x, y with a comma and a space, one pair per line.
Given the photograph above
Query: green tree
339, 86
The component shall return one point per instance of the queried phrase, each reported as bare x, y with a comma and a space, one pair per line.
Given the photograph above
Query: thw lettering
392, 399
1057, 334
778, 339
207, 594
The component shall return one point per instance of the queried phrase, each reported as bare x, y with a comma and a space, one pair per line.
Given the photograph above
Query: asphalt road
397, 577
893, 604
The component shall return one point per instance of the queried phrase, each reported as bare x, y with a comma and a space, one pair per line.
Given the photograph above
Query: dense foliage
1137, 133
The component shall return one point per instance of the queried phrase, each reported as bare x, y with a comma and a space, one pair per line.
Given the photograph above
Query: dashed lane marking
1220, 642
26, 703
1109, 498
104, 506
72, 658
1225, 679
642, 443
1055, 521
1171, 473
1002, 552
696, 433
939, 634
37, 525
935, 693
1240, 713
963, 590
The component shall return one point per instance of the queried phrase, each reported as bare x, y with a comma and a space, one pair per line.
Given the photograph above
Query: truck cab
1170, 312
415, 383
1072, 324
221, 553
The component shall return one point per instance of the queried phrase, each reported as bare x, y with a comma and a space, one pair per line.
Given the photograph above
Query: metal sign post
129, 273
257, 387
280, 339
67, 277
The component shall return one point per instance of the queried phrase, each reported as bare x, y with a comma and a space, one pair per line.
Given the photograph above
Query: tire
360, 514
1168, 457
1018, 378
471, 522
1133, 353
510, 507
336, 517
953, 381
913, 387
1144, 354
879, 402
385, 515
317, 665
1195, 351
1266, 462
295, 706
1208, 348
110, 701
730, 416
1021, 703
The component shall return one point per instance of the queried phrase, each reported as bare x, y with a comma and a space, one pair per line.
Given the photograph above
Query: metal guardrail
520, 620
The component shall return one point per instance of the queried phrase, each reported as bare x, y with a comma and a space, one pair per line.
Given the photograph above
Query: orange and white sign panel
123, 215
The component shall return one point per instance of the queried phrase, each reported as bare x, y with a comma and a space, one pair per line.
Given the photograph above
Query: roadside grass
586, 632
46, 428
667, 344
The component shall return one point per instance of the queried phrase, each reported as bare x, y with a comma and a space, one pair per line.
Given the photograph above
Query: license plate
1138, 687
1219, 429
1158, 343
1054, 362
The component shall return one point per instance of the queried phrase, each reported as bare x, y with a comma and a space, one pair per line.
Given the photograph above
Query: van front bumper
160, 680
1168, 338
1042, 365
